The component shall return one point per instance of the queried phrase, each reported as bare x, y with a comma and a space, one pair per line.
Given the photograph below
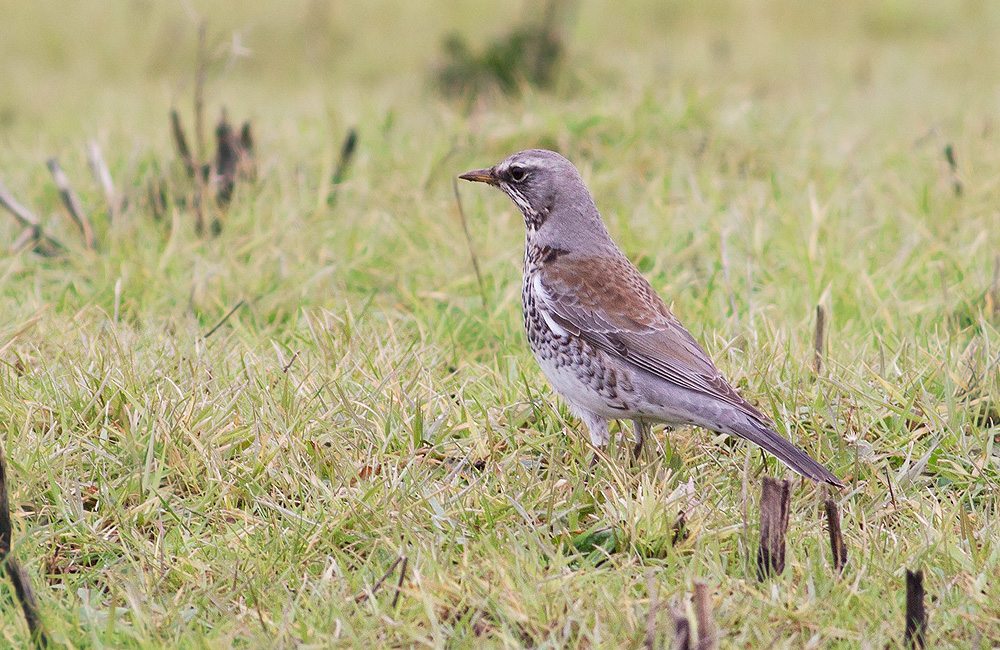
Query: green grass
755, 159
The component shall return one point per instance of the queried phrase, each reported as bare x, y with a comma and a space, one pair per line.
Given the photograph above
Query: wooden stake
915, 633
703, 614
654, 605
836, 537
775, 499
682, 632
18, 576
72, 202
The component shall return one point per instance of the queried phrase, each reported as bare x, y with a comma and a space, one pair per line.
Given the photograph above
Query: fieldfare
604, 339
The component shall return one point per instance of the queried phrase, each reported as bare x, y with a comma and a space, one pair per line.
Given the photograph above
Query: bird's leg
641, 429
597, 429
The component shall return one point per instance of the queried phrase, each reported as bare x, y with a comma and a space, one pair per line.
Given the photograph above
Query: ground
370, 400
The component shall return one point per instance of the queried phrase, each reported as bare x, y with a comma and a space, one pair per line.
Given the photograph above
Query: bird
605, 340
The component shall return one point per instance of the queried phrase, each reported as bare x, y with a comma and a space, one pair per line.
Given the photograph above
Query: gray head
557, 207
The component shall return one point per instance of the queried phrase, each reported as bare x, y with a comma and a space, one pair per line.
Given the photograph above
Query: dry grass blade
993, 295
102, 176
198, 156
819, 337
22, 214
469, 242
32, 226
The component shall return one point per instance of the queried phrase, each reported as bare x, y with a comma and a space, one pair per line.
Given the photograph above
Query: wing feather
608, 303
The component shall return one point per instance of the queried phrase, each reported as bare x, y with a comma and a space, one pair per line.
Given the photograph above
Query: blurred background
82, 66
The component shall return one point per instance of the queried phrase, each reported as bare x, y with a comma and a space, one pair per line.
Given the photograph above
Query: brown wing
608, 303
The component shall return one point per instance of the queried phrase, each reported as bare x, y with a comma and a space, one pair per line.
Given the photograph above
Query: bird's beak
480, 176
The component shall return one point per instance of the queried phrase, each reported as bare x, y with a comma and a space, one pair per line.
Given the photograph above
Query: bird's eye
518, 173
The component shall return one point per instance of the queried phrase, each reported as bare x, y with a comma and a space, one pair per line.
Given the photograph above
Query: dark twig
248, 165
818, 339
949, 155
399, 583
227, 160
18, 576
347, 149
224, 319
703, 614
180, 141
156, 196
892, 493
102, 176
72, 202
287, 366
363, 596
679, 529
836, 536
915, 633
775, 499
469, 242
285, 369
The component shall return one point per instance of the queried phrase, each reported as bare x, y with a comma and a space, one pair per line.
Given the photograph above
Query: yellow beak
480, 176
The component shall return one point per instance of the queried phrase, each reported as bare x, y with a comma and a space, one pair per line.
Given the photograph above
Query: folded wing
629, 320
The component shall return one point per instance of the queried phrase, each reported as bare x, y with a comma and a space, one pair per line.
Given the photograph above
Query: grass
368, 402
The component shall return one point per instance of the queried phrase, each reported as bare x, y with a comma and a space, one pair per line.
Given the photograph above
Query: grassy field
369, 401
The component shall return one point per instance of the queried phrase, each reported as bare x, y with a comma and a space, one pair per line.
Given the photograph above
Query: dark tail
785, 451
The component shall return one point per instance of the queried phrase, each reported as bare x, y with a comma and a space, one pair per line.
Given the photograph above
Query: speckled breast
582, 374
